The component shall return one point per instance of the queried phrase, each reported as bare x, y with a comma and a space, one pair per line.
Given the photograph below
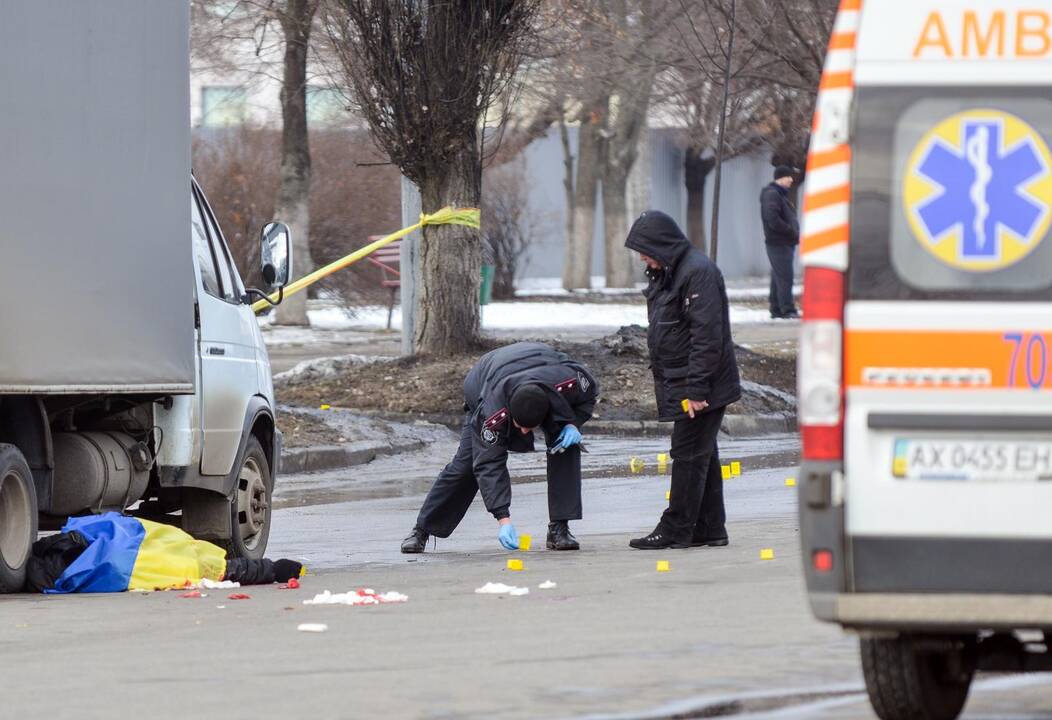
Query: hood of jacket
657, 235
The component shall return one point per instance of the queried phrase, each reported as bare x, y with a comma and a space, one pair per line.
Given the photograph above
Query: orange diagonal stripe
839, 154
843, 41
817, 241
846, 5
837, 80
820, 200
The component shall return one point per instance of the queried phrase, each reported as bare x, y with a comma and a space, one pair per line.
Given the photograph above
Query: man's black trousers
695, 507
781, 295
455, 487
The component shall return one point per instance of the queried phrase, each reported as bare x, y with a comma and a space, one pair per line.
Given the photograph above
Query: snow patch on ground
501, 589
327, 367
768, 393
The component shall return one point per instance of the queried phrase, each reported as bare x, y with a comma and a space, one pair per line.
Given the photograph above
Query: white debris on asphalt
501, 589
217, 585
366, 596
547, 585
312, 627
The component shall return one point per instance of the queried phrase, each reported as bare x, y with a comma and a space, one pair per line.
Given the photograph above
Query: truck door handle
216, 351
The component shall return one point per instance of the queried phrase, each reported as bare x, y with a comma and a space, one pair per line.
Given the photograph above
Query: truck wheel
18, 518
912, 678
250, 507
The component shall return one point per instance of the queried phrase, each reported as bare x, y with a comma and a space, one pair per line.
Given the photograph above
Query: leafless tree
508, 223
425, 74
244, 36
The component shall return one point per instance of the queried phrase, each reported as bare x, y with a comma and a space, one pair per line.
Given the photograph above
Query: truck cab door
227, 343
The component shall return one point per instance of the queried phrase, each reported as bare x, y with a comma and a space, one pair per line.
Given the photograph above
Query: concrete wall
659, 174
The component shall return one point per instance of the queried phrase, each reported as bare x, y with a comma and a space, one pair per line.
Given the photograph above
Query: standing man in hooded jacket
508, 394
781, 234
695, 377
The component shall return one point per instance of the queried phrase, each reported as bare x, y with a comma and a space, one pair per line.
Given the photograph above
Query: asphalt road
723, 633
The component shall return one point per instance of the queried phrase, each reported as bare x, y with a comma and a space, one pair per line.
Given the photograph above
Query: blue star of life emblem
977, 193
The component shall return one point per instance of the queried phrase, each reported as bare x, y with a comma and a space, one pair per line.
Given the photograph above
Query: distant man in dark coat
508, 394
781, 231
695, 377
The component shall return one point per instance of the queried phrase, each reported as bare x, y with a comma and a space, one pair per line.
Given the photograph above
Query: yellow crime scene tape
446, 216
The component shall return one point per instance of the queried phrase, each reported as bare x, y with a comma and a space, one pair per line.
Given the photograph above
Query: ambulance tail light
820, 365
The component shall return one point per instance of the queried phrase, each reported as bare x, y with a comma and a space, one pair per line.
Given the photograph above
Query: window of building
223, 106
325, 106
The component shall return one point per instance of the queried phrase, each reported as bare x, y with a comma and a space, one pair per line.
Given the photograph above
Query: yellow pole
446, 216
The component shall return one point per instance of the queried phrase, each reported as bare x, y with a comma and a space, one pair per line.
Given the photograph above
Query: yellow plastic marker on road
736, 468
726, 471
324, 407
790, 482
515, 564
524, 542
662, 461
636, 465
668, 494
662, 566
767, 554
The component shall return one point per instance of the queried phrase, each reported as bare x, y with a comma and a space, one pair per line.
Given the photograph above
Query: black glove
285, 570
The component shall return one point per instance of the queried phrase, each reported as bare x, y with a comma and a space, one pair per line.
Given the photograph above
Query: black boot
657, 540
416, 542
560, 537
698, 541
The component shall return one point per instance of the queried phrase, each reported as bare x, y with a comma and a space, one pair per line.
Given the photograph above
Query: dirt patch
302, 430
434, 387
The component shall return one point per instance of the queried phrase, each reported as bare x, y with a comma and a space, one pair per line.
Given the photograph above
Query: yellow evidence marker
636, 465
765, 554
524, 542
685, 405
668, 494
662, 461
790, 482
324, 407
726, 471
515, 564
662, 565
736, 468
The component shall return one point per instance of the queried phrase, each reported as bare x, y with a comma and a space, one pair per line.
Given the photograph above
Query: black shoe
657, 540
560, 537
416, 542
792, 315
710, 542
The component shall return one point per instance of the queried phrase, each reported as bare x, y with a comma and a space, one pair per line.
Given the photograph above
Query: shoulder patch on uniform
488, 436
496, 419
566, 385
582, 380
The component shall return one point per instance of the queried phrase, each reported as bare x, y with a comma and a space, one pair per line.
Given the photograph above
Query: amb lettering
977, 35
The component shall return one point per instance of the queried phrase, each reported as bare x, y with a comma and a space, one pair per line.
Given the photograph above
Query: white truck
133, 375
925, 378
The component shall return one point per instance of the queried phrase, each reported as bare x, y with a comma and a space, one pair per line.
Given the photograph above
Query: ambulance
925, 367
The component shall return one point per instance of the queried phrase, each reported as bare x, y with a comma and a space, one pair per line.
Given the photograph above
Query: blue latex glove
569, 437
508, 537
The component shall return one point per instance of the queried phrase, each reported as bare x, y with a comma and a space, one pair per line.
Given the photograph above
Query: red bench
388, 259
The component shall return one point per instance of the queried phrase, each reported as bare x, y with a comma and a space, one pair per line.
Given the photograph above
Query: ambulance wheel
18, 518
250, 508
911, 677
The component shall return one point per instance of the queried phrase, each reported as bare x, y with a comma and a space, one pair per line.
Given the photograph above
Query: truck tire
18, 518
250, 507
912, 678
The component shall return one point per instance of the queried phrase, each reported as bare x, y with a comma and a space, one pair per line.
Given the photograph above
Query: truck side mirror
275, 254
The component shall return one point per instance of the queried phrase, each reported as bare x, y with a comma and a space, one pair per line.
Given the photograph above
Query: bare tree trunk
615, 229
564, 137
590, 146
695, 172
293, 205
447, 310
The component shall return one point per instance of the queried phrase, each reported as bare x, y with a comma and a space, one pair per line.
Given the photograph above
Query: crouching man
509, 393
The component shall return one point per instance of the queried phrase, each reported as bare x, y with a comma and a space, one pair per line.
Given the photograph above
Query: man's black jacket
488, 387
689, 338
780, 224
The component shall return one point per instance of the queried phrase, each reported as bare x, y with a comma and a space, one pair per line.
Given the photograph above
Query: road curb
320, 458
733, 425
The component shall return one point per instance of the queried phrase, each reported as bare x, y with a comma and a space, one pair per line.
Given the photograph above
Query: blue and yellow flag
126, 553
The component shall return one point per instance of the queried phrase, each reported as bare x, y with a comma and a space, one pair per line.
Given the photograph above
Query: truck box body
98, 281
